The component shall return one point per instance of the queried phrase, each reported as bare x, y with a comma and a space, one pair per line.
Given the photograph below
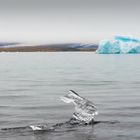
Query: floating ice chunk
84, 110
119, 45
40, 127
35, 127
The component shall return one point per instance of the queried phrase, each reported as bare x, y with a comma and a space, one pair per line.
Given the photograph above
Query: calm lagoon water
31, 84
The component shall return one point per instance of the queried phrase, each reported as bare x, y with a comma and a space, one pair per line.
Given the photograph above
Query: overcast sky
60, 21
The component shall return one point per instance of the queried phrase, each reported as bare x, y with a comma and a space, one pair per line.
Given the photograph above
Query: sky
68, 21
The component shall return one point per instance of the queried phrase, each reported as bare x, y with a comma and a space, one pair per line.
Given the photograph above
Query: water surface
31, 84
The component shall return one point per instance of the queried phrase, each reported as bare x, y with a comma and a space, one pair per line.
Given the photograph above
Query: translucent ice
84, 110
119, 45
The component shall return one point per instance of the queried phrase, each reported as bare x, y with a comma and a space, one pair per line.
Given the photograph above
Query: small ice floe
85, 110
35, 127
38, 127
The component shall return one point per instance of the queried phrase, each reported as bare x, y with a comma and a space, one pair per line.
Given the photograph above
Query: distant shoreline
45, 49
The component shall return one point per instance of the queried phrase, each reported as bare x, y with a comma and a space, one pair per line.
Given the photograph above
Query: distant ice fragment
119, 45
84, 110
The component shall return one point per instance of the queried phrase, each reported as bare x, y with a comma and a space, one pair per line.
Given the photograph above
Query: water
31, 84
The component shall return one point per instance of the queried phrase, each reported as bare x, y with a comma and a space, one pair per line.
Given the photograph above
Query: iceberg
119, 45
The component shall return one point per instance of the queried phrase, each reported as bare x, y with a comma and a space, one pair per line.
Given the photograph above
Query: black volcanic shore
48, 48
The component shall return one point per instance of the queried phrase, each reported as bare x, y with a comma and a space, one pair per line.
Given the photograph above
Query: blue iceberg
119, 45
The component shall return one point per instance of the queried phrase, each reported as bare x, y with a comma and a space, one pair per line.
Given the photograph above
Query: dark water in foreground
31, 84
